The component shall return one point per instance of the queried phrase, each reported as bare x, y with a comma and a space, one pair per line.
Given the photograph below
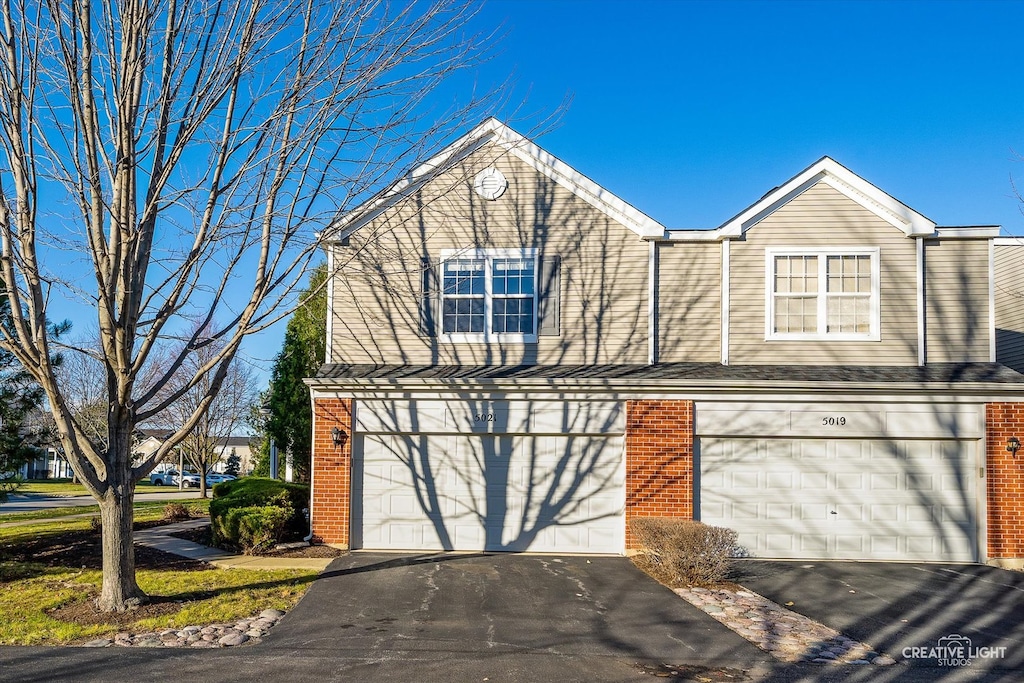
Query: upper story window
822, 294
489, 294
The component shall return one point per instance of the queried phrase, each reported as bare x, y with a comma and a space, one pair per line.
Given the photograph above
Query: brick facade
659, 460
332, 471
1004, 480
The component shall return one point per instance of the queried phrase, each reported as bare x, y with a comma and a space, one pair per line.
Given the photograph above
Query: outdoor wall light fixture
1013, 445
338, 437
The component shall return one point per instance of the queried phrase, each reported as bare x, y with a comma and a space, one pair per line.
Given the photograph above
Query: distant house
519, 360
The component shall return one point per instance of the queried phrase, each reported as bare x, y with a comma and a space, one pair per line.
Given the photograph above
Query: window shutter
550, 291
429, 298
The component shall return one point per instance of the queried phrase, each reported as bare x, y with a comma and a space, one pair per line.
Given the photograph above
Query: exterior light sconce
338, 437
1013, 445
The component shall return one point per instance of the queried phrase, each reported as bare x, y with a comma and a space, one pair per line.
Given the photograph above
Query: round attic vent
490, 183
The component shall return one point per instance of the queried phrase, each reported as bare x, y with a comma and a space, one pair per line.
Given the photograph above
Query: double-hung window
489, 294
822, 294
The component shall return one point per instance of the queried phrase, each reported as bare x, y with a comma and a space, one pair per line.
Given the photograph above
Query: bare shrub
682, 552
176, 512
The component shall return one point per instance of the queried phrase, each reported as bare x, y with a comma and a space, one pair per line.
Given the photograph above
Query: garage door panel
493, 492
847, 499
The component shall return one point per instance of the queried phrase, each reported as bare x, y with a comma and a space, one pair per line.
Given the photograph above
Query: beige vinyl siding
823, 217
603, 310
1009, 295
689, 302
956, 301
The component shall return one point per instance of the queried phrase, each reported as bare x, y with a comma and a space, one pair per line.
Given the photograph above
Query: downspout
725, 301
922, 337
652, 302
308, 538
992, 300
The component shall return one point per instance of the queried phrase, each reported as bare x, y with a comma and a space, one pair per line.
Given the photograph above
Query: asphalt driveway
448, 617
893, 606
376, 607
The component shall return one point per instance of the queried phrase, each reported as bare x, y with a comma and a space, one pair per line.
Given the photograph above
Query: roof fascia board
528, 152
837, 176
320, 385
1008, 242
968, 231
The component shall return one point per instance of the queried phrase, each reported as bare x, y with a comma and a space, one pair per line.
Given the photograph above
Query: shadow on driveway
893, 606
377, 606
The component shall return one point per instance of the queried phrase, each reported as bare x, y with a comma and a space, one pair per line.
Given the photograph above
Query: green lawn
28, 590
201, 505
65, 487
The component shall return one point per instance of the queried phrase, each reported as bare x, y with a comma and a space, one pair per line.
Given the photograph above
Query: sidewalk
160, 538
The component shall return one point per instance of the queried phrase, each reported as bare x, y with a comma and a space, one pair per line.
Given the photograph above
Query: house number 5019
833, 421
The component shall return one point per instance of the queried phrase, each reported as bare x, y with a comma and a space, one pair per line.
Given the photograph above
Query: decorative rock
231, 639
250, 629
786, 635
99, 642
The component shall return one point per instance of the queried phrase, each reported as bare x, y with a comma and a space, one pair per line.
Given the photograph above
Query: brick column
332, 471
1004, 479
659, 460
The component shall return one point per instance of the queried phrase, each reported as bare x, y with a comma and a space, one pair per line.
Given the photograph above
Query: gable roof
493, 131
830, 172
837, 176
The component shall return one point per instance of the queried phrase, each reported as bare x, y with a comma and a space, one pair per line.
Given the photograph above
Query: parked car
170, 478
214, 478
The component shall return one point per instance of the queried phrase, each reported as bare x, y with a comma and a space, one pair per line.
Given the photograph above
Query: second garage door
843, 499
489, 475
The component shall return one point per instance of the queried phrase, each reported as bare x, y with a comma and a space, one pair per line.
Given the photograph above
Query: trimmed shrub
682, 552
176, 512
255, 529
236, 519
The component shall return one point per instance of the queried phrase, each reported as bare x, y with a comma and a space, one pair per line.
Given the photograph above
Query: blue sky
691, 111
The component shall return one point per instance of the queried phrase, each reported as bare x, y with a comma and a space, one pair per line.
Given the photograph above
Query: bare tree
203, 445
198, 150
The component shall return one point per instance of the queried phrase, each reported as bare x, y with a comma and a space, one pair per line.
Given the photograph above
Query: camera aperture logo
954, 650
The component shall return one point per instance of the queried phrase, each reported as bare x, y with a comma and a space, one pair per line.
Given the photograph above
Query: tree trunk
120, 591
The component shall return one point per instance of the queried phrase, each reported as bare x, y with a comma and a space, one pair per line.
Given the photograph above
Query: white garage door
489, 475
843, 499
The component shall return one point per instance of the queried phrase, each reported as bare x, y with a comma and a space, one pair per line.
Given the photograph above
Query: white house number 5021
833, 421
483, 417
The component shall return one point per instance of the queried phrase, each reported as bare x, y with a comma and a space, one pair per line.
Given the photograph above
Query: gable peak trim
493, 131
827, 170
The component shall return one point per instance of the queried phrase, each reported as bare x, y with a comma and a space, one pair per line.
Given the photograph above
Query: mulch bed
204, 536
84, 550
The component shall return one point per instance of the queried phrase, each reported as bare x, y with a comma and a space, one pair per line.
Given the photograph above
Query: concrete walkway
160, 538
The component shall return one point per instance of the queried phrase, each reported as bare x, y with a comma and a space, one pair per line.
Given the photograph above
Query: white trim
936, 393
968, 231
922, 321
827, 170
726, 293
488, 256
1008, 241
694, 235
329, 346
652, 303
822, 253
496, 132
991, 302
